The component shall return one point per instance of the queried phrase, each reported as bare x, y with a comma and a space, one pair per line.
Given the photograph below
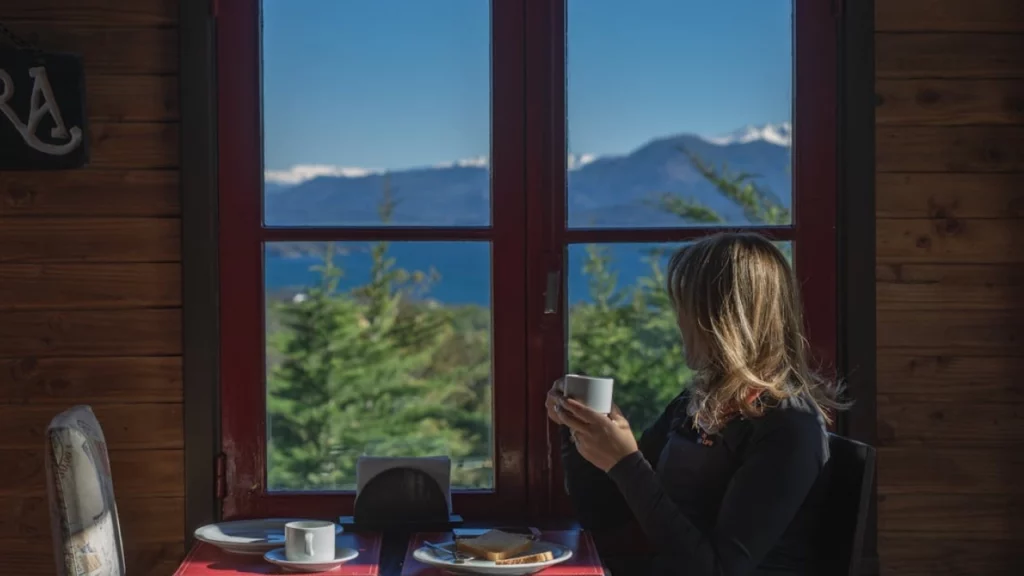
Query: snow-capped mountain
603, 190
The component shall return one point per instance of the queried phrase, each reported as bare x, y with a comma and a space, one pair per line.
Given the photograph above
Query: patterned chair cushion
83, 515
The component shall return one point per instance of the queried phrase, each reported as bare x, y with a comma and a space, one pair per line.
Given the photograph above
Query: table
384, 556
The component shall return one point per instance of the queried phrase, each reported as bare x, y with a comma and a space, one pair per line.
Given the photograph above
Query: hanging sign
42, 110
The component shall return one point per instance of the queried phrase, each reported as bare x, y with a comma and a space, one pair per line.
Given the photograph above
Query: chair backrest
845, 497
83, 515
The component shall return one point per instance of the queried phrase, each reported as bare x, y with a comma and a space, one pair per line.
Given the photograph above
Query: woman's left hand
603, 440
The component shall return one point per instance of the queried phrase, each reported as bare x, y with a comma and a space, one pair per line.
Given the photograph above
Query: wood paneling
950, 240
957, 555
135, 472
133, 98
950, 148
994, 332
107, 49
950, 515
90, 285
125, 426
950, 102
143, 332
950, 296
938, 286
148, 13
949, 15
988, 56
62, 381
949, 375
134, 145
948, 424
973, 470
69, 286
90, 240
90, 193
942, 196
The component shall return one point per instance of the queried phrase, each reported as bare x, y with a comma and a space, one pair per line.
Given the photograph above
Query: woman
722, 482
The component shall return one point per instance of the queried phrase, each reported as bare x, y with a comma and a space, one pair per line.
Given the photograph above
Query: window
431, 209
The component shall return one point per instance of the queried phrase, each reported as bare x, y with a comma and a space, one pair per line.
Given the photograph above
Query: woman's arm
596, 498
786, 454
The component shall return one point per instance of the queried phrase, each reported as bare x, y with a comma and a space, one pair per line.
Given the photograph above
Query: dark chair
845, 496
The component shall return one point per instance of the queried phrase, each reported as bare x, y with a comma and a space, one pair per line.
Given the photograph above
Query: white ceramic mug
594, 393
309, 541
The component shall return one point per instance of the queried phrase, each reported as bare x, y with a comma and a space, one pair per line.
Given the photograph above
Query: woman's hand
603, 440
551, 402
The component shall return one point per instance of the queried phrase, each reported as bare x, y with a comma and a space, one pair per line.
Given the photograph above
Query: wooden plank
949, 375
956, 555
69, 286
949, 55
983, 516
949, 102
125, 426
949, 149
142, 519
132, 98
949, 16
152, 332
953, 286
90, 240
35, 556
134, 146
950, 240
67, 381
949, 195
106, 50
950, 470
924, 424
994, 331
135, 473
89, 192
95, 12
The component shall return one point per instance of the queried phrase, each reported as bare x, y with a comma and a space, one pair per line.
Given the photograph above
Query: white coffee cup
594, 393
309, 541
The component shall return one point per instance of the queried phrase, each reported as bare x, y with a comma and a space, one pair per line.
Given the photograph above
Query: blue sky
401, 83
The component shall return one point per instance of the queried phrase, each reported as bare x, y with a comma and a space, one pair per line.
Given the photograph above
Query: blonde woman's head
738, 308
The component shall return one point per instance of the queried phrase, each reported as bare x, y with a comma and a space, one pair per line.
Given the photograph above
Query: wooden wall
90, 288
950, 286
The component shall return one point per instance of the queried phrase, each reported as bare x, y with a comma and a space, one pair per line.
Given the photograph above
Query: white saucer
341, 555
256, 537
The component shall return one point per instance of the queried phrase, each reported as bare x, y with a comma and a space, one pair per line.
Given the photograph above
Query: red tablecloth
584, 561
208, 560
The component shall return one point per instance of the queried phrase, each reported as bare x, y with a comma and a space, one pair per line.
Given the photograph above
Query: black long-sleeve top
737, 503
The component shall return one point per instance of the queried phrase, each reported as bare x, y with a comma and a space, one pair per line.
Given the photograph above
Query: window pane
378, 349
365, 99
621, 324
679, 113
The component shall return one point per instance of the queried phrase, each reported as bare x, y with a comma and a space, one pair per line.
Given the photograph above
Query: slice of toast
528, 559
494, 545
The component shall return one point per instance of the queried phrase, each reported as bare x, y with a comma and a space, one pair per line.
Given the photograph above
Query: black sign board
42, 111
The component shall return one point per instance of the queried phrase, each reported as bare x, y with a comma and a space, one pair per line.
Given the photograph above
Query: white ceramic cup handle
309, 544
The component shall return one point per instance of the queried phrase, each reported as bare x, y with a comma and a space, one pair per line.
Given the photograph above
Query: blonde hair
738, 306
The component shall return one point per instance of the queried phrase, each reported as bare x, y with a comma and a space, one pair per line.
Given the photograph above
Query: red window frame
528, 234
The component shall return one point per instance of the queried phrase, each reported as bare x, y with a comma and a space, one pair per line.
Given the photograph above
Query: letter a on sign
42, 111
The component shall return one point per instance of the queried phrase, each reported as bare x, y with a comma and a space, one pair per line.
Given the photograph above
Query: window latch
551, 292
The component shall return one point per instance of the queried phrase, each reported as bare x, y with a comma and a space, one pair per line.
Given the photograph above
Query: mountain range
603, 191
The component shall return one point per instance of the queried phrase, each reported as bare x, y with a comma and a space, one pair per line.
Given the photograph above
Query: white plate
341, 555
255, 537
443, 560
